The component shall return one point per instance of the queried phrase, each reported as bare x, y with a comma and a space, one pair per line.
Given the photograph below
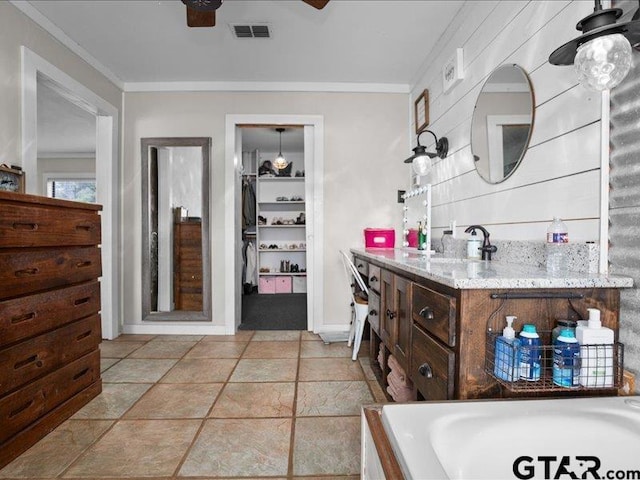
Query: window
72, 187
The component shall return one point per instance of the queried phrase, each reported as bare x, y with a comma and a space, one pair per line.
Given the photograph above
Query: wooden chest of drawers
49, 315
187, 279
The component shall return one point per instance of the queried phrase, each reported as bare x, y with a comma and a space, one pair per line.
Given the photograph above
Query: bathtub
516, 439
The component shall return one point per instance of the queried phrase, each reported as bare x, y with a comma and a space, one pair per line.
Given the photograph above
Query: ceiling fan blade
319, 4
198, 18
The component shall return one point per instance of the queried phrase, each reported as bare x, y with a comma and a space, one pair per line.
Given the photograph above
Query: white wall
559, 174
63, 165
364, 145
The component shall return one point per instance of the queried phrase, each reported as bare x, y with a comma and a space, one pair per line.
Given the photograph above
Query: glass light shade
421, 165
603, 62
280, 162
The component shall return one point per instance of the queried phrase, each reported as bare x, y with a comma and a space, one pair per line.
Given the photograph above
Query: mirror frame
533, 114
205, 145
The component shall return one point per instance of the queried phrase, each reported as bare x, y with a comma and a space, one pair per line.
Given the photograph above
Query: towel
396, 368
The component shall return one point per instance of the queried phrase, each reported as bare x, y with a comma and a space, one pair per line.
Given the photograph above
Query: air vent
251, 31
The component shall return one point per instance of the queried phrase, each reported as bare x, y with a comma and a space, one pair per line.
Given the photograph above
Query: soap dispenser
596, 351
474, 246
507, 357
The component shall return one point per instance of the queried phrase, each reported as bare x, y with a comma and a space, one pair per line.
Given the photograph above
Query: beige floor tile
330, 477
131, 337
240, 447
327, 446
267, 370
178, 338
276, 336
137, 448
272, 350
112, 349
200, 370
106, 363
328, 369
331, 398
162, 349
319, 350
114, 401
47, 459
181, 400
244, 400
240, 336
309, 336
138, 370
365, 363
217, 350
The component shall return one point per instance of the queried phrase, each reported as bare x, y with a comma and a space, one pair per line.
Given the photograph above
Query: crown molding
342, 87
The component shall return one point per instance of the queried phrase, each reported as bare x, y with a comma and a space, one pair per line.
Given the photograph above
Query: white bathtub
512, 439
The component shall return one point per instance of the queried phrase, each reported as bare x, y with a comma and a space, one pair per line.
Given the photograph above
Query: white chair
359, 304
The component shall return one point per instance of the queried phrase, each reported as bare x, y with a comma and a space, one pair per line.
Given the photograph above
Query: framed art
421, 111
11, 179
452, 72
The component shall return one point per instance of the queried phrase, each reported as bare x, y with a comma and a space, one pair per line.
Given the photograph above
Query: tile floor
266, 404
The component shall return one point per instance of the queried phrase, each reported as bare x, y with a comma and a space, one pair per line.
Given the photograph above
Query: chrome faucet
487, 249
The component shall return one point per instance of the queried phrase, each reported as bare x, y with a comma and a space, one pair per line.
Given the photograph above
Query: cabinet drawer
362, 266
45, 353
434, 312
41, 226
374, 311
26, 405
374, 278
29, 316
37, 270
432, 366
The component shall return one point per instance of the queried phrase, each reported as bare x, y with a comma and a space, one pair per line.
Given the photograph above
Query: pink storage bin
412, 237
379, 238
267, 285
283, 284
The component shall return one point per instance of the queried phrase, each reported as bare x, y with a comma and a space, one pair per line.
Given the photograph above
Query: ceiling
268, 140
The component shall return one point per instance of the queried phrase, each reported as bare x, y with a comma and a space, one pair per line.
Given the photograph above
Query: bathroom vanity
436, 317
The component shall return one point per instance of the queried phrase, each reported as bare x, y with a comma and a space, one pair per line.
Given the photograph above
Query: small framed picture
11, 179
452, 72
421, 107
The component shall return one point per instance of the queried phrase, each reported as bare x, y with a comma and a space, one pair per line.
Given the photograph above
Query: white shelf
288, 202
282, 226
280, 250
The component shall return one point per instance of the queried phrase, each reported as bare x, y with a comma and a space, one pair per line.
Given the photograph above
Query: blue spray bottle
507, 358
530, 354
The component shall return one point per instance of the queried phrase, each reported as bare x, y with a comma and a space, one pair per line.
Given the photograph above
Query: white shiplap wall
560, 173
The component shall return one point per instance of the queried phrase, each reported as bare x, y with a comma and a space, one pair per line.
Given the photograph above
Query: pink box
267, 285
283, 284
379, 237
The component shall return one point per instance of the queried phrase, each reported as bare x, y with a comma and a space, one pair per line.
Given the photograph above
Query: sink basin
494, 439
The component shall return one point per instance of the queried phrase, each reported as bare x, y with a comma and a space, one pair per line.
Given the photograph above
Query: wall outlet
400, 194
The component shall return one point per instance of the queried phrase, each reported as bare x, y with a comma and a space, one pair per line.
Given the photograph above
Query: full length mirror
176, 278
502, 123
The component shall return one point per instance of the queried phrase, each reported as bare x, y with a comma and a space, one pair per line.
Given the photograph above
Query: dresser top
477, 274
40, 200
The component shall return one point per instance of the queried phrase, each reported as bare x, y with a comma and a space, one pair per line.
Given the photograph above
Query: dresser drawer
432, 366
26, 405
29, 316
434, 312
40, 355
42, 226
27, 272
362, 267
374, 311
374, 278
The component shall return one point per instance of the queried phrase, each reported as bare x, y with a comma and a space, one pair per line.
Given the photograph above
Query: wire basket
596, 367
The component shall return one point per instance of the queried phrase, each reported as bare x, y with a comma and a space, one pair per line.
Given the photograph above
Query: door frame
314, 198
107, 167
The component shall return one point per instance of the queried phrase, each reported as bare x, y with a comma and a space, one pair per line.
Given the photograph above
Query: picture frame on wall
453, 71
11, 179
421, 111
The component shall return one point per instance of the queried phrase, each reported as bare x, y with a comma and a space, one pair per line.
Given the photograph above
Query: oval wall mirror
502, 123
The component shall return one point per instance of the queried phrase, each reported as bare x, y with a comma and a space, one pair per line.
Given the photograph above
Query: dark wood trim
388, 460
53, 202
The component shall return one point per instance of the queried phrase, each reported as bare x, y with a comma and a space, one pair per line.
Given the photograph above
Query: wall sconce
602, 54
421, 159
280, 162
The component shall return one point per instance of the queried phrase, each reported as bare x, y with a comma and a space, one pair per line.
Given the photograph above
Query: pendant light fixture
421, 159
280, 162
602, 54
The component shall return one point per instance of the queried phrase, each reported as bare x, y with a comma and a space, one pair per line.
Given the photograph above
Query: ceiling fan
202, 13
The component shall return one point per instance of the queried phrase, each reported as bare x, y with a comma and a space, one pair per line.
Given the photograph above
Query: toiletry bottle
448, 244
507, 353
596, 352
556, 248
561, 325
530, 356
566, 359
422, 236
474, 246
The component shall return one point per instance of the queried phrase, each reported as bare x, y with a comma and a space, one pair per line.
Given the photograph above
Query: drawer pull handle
425, 370
21, 409
83, 335
23, 318
81, 301
25, 226
373, 313
86, 228
27, 361
360, 265
426, 313
373, 279
84, 264
27, 272
82, 373
391, 314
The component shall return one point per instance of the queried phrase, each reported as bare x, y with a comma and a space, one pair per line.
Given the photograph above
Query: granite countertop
477, 274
